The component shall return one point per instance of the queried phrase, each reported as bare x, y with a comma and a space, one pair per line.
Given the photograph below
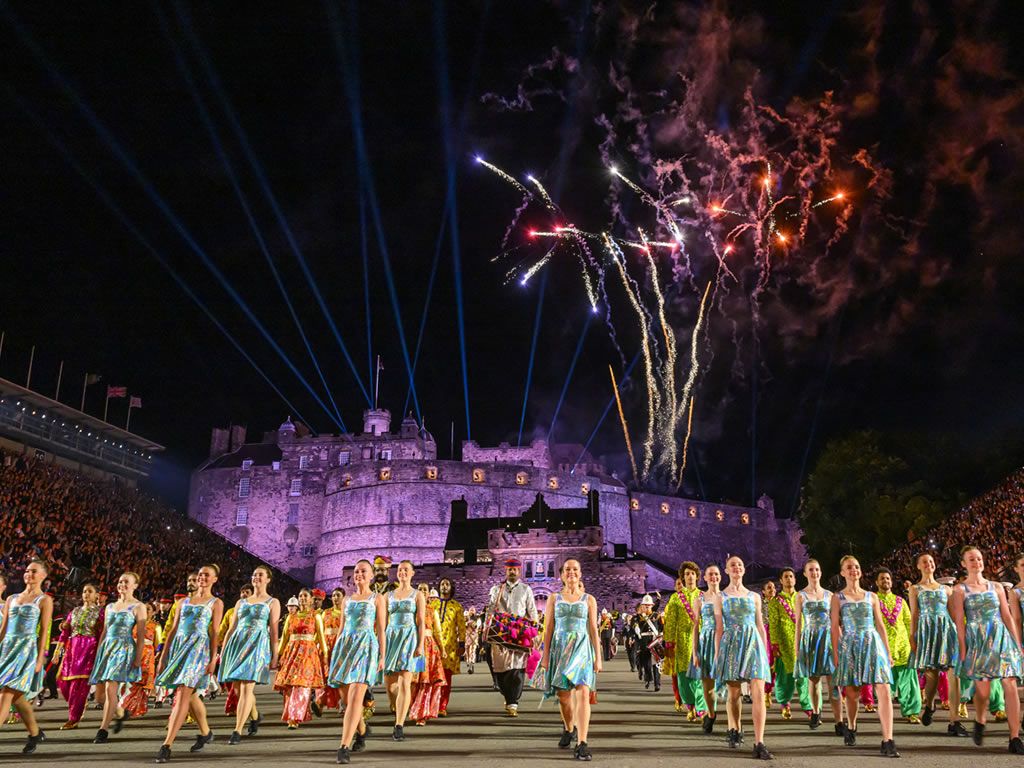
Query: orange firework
622, 418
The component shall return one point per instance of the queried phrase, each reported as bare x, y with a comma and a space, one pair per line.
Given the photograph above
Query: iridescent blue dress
571, 658
863, 659
246, 655
992, 653
937, 646
741, 655
814, 647
20, 650
115, 658
705, 643
356, 653
189, 655
401, 636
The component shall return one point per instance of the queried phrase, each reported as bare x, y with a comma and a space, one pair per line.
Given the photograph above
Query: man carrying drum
514, 597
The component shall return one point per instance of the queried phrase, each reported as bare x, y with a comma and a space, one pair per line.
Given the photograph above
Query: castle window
745, 519
384, 474
303, 462
242, 516
719, 515
664, 507
552, 483
295, 489
367, 453
385, 454
246, 465
584, 489
244, 486
522, 478
529, 569
307, 550
551, 569
431, 473
478, 475
276, 466
345, 457
634, 503
293, 513
692, 511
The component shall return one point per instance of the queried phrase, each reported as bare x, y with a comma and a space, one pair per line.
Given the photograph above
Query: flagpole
129, 419
60, 374
31, 359
85, 383
451, 448
2, 335
106, 404
376, 387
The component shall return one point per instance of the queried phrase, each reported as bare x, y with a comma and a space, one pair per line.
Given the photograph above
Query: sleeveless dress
301, 662
115, 659
992, 653
571, 659
741, 655
814, 647
20, 650
246, 655
936, 640
356, 652
401, 635
189, 655
862, 656
705, 643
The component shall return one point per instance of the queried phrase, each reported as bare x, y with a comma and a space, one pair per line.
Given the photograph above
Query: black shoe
708, 724
315, 708
815, 722
840, 728
761, 752
657, 687
201, 741
254, 726
359, 743
647, 685
850, 736
344, 756
568, 737
101, 737
889, 749
236, 738
158, 704
1016, 746
583, 752
956, 729
32, 742
732, 738
979, 733
398, 734
117, 725
747, 700
164, 755
926, 715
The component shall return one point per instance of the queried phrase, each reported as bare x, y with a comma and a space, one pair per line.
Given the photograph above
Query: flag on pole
92, 378
135, 402
117, 391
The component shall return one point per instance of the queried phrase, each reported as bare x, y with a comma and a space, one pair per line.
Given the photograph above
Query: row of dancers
842, 643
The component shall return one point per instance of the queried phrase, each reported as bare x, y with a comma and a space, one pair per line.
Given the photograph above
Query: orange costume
301, 670
428, 685
136, 701
332, 620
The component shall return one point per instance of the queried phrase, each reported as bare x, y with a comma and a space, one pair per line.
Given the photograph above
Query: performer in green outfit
782, 613
896, 612
680, 619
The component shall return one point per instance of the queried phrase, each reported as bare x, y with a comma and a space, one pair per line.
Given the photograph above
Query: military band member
646, 628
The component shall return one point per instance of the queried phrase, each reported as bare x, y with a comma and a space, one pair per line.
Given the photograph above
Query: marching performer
472, 638
514, 597
24, 638
189, 658
571, 658
861, 648
681, 619
814, 647
250, 650
452, 639
79, 638
702, 663
333, 618
646, 628
897, 626
933, 643
428, 683
119, 657
358, 657
231, 699
741, 654
382, 583
782, 621
135, 701
301, 652
990, 647
407, 609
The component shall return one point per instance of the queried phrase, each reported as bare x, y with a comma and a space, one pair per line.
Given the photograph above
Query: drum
657, 649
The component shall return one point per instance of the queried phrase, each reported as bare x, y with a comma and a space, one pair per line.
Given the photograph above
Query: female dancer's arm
382, 613
218, 613
956, 608
799, 618
595, 637
141, 614
549, 629
876, 606
760, 622
912, 599
421, 622
3, 621
275, 616
719, 624
45, 617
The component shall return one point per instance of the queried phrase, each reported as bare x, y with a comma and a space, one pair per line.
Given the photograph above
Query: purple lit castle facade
312, 505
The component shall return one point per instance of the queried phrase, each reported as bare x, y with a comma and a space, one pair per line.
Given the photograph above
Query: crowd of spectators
95, 529
993, 522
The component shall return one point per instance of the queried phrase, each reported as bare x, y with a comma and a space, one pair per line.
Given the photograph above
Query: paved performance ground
631, 727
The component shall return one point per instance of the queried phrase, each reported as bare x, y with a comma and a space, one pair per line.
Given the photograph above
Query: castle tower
376, 421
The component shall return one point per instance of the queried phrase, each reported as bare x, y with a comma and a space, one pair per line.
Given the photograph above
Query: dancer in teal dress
860, 645
989, 642
741, 654
702, 662
189, 658
119, 655
250, 650
407, 610
814, 643
933, 642
358, 656
24, 638
572, 657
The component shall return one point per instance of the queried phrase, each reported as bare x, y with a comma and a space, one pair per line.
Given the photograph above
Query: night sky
900, 311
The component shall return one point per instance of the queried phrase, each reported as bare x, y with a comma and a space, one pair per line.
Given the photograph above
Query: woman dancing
741, 654
572, 657
702, 663
333, 618
989, 643
79, 638
934, 647
189, 658
428, 684
24, 638
301, 671
119, 658
860, 646
135, 701
407, 608
814, 644
250, 650
358, 657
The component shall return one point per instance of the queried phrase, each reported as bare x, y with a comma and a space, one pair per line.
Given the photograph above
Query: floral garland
689, 608
891, 616
786, 607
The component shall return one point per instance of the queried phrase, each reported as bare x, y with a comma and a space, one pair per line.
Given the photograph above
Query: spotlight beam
439, 242
533, 351
364, 255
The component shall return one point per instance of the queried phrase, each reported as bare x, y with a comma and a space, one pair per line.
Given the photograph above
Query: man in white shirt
515, 597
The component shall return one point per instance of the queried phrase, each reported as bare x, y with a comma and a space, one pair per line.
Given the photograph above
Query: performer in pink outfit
79, 637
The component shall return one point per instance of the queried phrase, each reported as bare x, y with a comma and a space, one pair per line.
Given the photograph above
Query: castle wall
536, 454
